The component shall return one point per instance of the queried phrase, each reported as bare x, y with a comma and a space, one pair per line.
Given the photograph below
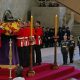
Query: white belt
31, 36
20, 38
25, 37
39, 37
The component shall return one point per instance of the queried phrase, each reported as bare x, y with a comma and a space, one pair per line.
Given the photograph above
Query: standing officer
71, 48
23, 43
20, 45
64, 49
38, 37
51, 33
46, 36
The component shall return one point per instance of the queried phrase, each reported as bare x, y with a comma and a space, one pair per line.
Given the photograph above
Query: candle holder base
10, 78
31, 73
54, 67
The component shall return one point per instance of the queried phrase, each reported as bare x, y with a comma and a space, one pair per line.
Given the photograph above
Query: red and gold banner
10, 27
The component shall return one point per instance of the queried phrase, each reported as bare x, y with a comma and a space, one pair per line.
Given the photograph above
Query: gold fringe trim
7, 66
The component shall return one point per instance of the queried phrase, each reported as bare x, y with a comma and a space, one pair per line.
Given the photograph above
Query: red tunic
39, 34
1, 31
22, 39
29, 31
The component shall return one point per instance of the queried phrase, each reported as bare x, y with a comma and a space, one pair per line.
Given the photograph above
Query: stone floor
48, 56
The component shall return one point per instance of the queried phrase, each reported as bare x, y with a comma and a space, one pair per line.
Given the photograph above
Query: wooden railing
73, 5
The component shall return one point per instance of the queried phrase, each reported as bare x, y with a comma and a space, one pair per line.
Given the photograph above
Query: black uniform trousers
65, 55
26, 56
38, 54
23, 53
71, 53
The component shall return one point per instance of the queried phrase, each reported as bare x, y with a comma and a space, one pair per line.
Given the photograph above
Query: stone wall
45, 15
19, 8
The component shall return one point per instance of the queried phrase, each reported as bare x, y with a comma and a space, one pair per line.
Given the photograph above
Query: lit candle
56, 25
31, 25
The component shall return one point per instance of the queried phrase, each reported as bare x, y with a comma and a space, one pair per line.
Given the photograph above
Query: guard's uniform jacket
39, 34
38, 37
22, 39
64, 50
23, 43
71, 50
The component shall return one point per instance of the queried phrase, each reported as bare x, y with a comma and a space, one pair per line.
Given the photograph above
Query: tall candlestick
31, 72
55, 66
31, 25
10, 60
56, 25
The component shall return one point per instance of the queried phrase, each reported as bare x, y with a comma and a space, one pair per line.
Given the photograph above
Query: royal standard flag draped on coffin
10, 27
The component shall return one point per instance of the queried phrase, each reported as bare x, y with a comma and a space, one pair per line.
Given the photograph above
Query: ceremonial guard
71, 48
38, 37
64, 49
20, 45
23, 43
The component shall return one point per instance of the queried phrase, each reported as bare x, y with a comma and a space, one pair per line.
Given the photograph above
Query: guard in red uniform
20, 46
38, 37
23, 43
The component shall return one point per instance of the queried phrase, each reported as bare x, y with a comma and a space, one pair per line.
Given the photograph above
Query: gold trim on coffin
7, 66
